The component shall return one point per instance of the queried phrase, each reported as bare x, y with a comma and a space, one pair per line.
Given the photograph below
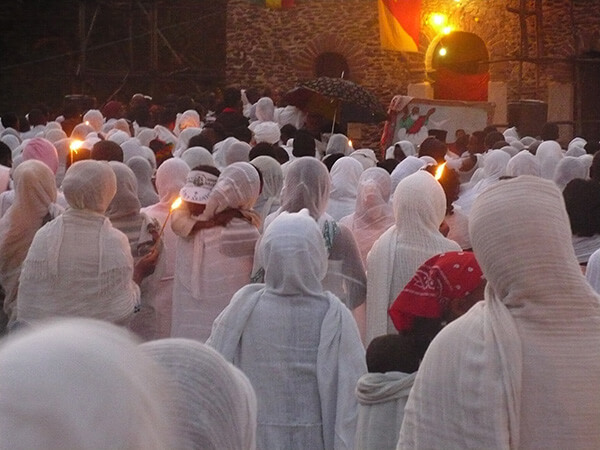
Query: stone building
547, 51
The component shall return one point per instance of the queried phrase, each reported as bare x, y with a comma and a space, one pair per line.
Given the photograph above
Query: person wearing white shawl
582, 200
94, 119
575, 146
307, 185
170, 178
365, 156
569, 168
34, 205
78, 264
184, 140
219, 151
264, 109
419, 208
548, 154
197, 156
312, 344
188, 119
521, 368
268, 132
272, 176
141, 231
406, 167
236, 152
338, 143
214, 262
523, 163
373, 214
212, 402
392, 361
81, 384
345, 174
143, 173
494, 167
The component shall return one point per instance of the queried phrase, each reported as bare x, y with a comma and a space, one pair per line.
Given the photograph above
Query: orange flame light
439, 171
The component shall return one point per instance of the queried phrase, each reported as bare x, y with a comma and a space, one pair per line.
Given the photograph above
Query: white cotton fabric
373, 214
269, 199
80, 384
212, 402
419, 207
381, 399
312, 343
338, 143
569, 168
220, 149
408, 148
521, 368
78, 264
94, 118
143, 173
494, 167
268, 132
307, 185
35, 197
197, 156
170, 178
592, 271
184, 140
345, 174
236, 152
214, 263
523, 163
548, 154
574, 147
406, 167
366, 157
188, 119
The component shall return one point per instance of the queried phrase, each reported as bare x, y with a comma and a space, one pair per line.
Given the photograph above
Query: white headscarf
314, 342
81, 245
548, 154
272, 175
338, 143
94, 118
188, 119
197, 156
81, 384
212, 401
345, 174
236, 152
522, 367
406, 167
366, 157
419, 209
569, 168
35, 194
143, 171
523, 163
184, 139
265, 109
373, 213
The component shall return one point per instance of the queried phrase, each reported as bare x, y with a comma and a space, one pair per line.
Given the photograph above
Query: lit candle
350, 142
73, 147
176, 204
439, 171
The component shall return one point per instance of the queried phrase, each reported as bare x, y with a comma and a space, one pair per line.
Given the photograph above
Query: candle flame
176, 203
75, 145
350, 142
439, 171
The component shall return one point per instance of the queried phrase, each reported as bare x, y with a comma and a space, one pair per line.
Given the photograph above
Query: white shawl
521, 369
80, 384
212, 401
419, 209
304, 366
381, 398
345, 174
78, 264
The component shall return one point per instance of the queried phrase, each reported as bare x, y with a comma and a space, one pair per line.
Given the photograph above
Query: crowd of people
176, 276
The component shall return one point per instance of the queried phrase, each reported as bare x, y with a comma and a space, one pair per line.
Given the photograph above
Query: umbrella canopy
337, 98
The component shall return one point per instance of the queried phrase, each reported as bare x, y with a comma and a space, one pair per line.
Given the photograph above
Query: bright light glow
87, 122
438, 19
443, 51
176, 203
75, 145
350, 142
439, 171
447, 30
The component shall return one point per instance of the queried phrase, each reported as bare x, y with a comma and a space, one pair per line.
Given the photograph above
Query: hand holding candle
176, 204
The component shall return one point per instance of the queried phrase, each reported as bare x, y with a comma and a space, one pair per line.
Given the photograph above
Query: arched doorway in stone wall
458, 64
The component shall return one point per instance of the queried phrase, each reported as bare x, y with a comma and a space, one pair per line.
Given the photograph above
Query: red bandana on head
441, 279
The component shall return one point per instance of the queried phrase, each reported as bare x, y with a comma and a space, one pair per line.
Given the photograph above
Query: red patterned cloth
440, 280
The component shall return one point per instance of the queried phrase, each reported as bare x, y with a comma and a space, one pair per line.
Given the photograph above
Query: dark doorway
587, 106
333, 65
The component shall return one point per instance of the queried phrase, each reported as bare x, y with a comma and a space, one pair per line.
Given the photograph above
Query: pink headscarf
43, 150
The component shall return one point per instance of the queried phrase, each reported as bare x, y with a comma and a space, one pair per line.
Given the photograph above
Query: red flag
399, 24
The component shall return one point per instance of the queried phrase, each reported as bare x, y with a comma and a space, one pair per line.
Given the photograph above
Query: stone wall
279, 47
